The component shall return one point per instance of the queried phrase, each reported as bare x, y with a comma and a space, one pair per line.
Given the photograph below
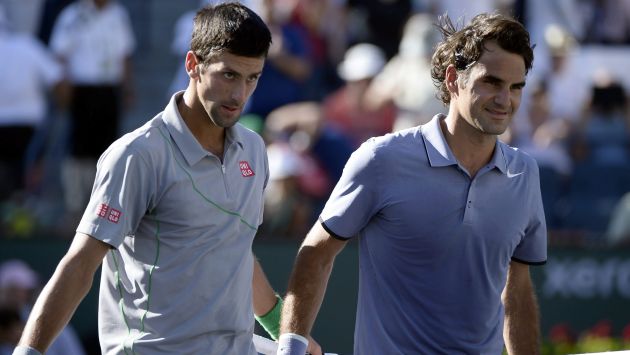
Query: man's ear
451, 79
192, 65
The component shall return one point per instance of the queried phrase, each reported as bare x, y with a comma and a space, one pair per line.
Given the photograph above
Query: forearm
521, 330
307, 286
63, 292
262, 292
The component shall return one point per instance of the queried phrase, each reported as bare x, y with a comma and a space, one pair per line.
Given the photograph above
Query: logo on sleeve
246, 170
111, 214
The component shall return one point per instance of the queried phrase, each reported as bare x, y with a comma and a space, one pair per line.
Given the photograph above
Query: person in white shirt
95, 41
29, 74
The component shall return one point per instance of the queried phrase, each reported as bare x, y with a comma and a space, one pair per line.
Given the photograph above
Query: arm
264, 295
308, 281
521, 330
128, 91
265, 301
62, 294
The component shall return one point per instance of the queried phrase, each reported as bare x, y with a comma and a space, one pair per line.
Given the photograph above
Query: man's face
225, 84
490, 94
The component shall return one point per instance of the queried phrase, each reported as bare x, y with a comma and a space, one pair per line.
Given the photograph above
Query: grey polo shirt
181, 225
434, 244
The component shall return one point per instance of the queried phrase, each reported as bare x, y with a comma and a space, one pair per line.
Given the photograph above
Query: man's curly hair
464, 47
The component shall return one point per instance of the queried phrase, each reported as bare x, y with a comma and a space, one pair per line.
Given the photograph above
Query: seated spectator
287, 207
406, 78
566, 87
606, 21
19, 285
349, 108
288, 66
321, 148
544, 137
604, 131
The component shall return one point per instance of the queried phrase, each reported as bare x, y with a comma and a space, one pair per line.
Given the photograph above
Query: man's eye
228, 75
253, 78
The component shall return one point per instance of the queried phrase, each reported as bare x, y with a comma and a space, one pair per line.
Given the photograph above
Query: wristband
25, 350
292, 344
271, 321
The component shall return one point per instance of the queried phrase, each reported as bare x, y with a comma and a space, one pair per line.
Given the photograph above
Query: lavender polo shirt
181, 225
434, 244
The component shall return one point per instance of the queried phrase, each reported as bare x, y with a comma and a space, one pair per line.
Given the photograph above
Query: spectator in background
349, 108
19, 286
300, 132
606, 21
287, 207
406, 78
604, 129
379, 22
545, 137
94, 40
565, 86
11, 326
288, 67
29, 74
326, 29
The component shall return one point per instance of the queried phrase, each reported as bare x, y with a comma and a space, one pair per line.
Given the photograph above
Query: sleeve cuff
534, 263
329, 231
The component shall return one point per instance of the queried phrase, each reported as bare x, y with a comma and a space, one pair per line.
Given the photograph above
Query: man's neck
210, 136
472, 148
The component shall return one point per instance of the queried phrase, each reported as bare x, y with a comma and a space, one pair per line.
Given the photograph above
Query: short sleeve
355, 198
122, 194
533, 247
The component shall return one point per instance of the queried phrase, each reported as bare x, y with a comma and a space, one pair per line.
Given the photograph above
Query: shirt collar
438, 151
440, 154
184, 139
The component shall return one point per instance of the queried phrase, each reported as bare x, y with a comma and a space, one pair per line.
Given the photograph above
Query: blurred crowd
338, 73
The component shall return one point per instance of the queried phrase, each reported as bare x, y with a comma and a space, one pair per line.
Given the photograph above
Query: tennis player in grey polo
425, 278
173, 214
181, 262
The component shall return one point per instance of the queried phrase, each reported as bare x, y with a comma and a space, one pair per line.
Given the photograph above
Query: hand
313, 347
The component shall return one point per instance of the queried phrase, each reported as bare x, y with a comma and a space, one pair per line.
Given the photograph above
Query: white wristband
25, 350
292, 344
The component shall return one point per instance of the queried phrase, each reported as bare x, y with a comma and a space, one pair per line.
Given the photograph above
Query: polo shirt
181, 224
434, 244
94, 42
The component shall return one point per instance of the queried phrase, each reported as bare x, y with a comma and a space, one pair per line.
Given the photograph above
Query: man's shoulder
249, 137
517, 158
396, 141
144, 139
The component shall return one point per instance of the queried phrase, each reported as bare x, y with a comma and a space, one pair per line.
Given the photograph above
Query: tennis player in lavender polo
447, 217
173, 213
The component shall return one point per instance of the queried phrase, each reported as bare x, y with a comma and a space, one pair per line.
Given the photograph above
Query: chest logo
246, 170
111, 214
512, 175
